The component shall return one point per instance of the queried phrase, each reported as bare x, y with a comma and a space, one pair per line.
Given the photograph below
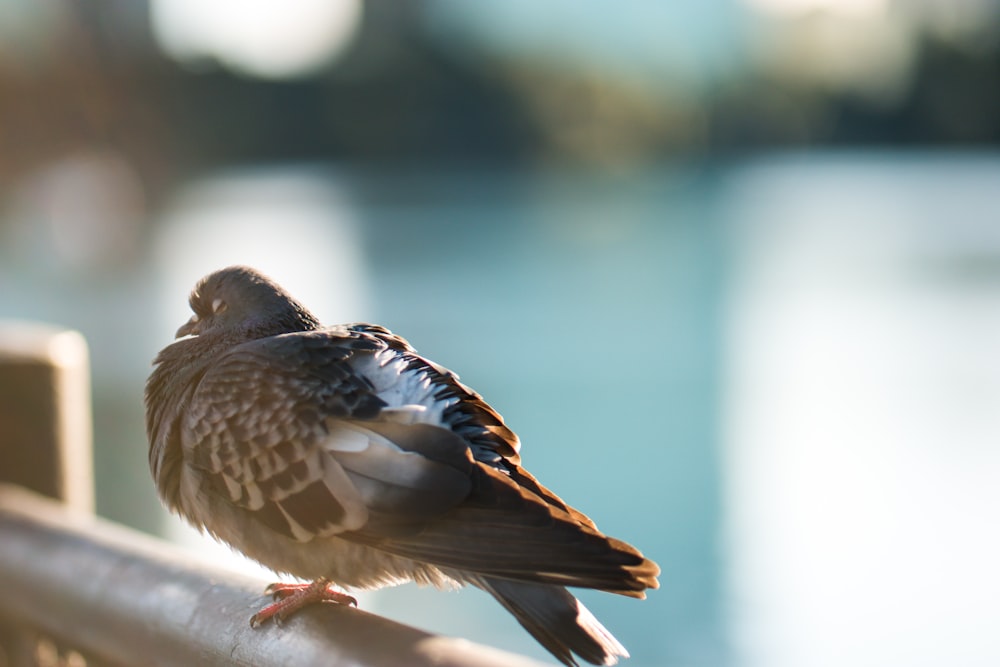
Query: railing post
45, 422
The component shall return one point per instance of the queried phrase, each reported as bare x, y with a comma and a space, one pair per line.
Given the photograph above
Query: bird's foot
289, 598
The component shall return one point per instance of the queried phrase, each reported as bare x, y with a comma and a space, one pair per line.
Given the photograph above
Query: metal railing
79, 591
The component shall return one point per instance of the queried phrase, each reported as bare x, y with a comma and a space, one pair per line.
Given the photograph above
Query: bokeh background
730, 268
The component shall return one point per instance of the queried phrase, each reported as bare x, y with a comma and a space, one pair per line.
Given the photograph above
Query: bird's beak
189, 328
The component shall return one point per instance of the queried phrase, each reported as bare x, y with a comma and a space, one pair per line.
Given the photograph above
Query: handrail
118, 597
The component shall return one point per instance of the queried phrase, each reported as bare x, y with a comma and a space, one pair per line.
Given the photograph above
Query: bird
340, 456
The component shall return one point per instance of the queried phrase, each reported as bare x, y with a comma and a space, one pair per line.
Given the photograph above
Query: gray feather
557, 620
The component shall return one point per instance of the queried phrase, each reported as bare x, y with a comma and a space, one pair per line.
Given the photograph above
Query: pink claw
292, 597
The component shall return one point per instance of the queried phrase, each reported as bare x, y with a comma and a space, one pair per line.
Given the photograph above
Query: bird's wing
345, 432
286, 428
462, 410
509, 525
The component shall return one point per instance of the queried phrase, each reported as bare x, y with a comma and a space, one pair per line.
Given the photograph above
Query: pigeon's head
241, 302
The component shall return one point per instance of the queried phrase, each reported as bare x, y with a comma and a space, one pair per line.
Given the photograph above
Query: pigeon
340, 456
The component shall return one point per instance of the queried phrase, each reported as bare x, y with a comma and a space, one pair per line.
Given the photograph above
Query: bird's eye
218, 306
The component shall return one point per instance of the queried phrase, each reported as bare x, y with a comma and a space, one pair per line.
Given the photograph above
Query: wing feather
417, 477
294, 429
506, 530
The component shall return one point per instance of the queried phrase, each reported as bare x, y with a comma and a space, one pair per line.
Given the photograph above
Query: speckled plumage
339, 453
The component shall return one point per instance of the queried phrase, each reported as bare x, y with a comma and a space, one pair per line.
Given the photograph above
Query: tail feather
557, 620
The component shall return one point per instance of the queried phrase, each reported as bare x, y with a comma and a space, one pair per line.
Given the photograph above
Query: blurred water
862, 423
778, 378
